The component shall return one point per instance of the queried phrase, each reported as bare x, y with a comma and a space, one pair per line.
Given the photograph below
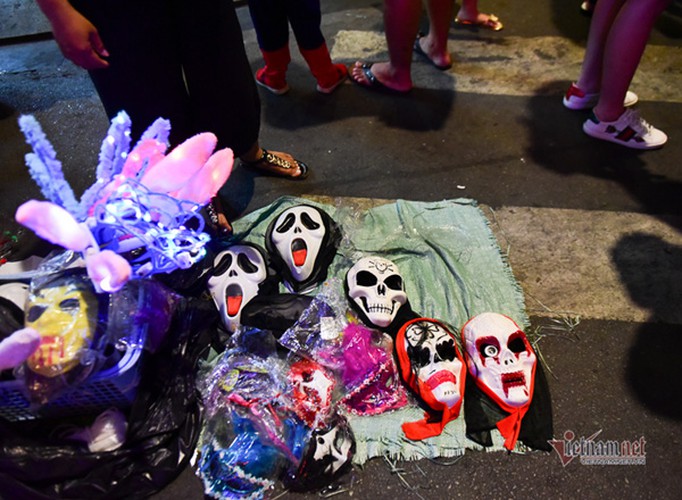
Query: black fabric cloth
482, 414
156, 46
271, 18
276, 313
163, 427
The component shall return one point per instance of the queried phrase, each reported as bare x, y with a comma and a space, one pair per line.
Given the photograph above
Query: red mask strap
510, 427
427, 428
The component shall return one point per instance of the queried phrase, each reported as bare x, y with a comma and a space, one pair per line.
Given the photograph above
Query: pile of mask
299, 363
296, 364
140, 218
60, 331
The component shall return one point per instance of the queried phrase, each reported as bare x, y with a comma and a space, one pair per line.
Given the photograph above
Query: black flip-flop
419, 51
269, 164
374, 83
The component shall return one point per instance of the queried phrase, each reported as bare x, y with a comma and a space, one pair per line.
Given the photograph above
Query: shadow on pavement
650, 269
559, 144
422, 110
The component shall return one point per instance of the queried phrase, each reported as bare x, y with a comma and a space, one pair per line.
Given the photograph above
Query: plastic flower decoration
141, 216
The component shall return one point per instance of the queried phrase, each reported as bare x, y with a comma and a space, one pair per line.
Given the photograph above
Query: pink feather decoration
180, 165
206, 183
54, 224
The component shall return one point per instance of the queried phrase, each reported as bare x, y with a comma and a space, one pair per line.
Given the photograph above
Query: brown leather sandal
271, 164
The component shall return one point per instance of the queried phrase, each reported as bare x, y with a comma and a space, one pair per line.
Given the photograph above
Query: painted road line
593, 264
524, 66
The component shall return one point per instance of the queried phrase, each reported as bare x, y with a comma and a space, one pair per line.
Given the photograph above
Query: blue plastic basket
113, 387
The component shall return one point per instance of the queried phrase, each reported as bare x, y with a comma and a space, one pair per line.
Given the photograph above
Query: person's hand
78, 39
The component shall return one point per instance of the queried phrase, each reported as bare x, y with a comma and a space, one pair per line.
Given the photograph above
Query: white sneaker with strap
630, 130
578, 99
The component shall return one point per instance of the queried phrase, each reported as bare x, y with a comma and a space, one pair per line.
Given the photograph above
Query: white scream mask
297, 235
433, 357
376, 286
500, 357
237, 274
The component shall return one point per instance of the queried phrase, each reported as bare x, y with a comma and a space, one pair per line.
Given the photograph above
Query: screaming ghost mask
302, 242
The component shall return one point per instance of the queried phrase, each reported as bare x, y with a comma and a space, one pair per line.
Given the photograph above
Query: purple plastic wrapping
318, 333
371, 382
249, 436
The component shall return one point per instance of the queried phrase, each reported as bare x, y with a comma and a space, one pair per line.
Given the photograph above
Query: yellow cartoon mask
64, 312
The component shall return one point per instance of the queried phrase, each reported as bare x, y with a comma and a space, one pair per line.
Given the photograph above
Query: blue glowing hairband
154, 231
150, 229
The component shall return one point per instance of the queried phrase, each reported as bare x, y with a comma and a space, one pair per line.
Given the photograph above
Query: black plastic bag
163, 426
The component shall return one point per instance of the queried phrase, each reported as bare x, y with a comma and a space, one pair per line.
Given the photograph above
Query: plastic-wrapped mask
245, 468
312, 388
237, 274
376, 287
500, 358
326, 456
329, 453
65, 314
371, 380
333, 448
302, 242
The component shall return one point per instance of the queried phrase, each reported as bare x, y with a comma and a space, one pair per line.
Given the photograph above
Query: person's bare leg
401, 23
603, 18
623, 51
468, 10
435, 43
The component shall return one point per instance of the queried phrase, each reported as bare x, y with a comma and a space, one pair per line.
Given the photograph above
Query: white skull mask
433, 357
238, 272
376, 286
297, 235
500, 356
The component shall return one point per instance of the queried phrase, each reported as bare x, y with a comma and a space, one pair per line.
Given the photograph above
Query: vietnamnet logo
599, 452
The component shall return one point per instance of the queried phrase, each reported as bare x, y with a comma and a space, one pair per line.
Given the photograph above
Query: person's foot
217, 219
377, 76
329, 87
423, 47
276, 84
479, 20
577, 99
276, 163
629, 130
